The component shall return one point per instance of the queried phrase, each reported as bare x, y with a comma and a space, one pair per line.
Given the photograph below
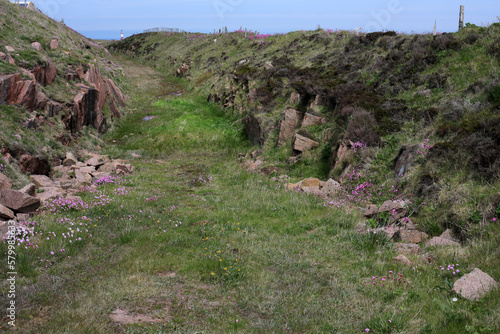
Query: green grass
198, 243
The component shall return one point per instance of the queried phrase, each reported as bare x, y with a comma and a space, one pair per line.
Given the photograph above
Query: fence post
461, 19
434, 32
245, 32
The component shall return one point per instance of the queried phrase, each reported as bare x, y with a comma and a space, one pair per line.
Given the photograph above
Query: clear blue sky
105, 18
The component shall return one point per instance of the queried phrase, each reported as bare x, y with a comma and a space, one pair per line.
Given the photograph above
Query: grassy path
192, 242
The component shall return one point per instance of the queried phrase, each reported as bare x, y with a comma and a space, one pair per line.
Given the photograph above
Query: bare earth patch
126, 318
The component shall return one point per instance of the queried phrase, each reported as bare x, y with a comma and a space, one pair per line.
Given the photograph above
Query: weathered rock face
5, 182
254, 130
34, 165
343, 155
18, 201
289, 124
405, 159
45, 75
86, 112
475, 285
302, 144
13, 90
70, 159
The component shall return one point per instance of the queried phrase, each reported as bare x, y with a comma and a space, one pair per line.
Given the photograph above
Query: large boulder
42, 181
19, 201
5, 182
302, 143
34, 165
331, 188
289, 124
310, 185
475, 285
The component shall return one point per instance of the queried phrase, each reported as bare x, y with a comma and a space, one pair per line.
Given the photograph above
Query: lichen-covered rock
289, 124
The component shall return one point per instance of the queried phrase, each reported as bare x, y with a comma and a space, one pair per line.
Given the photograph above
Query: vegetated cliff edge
54, 83
424, 110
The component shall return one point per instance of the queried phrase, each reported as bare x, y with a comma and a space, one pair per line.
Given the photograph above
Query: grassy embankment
198, 243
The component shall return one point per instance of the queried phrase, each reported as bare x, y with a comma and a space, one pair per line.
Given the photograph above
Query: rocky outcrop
45, 75
86, 112
14, 90
180, 72
7, 58
289, 124
405, 159
475, 285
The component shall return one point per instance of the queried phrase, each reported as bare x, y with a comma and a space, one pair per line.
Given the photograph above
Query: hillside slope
58, 91
415, 112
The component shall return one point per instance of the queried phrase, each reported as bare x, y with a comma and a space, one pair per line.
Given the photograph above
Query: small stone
438, 241
37, 46
448, 234
475, 285
54, 44
407, 249
410, 236
70, 159
9, 49
302, 144
401, 259
29, 189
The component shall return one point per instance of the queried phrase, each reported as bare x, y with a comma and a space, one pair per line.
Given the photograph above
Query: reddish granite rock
18, 201
5, 182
